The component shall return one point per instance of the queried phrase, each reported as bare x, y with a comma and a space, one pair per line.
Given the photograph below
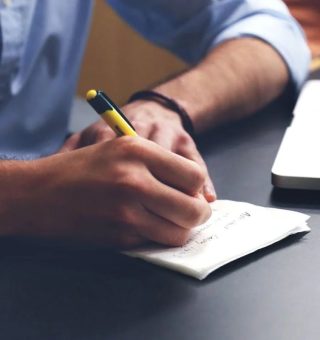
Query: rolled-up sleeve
191, 28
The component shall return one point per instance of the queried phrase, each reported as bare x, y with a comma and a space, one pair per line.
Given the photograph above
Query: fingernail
209, 193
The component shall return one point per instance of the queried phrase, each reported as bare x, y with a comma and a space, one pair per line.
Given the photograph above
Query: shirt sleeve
191, 28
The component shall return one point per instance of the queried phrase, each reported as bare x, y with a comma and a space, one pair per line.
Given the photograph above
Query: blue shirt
43, 43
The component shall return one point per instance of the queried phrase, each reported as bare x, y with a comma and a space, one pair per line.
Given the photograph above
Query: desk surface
48, 292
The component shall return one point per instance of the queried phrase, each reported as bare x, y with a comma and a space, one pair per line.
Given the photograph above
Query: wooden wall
118, 60
307, 12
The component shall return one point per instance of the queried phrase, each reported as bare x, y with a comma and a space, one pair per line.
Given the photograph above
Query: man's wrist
168, 103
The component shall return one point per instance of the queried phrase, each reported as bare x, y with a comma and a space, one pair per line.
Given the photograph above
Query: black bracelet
168, 103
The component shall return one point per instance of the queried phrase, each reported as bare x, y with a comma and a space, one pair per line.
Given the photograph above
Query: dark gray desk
50, 292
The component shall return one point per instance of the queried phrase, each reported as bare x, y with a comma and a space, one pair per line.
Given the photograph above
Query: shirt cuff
283, 35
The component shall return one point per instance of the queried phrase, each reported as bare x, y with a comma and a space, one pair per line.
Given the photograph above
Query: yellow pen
110, 113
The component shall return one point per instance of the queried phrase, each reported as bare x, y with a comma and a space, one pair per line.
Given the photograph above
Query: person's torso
38, 77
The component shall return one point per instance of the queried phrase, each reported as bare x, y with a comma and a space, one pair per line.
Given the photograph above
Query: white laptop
297, 165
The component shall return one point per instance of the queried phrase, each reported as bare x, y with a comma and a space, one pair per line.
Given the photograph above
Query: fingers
163, 126
160, 230
174, 170
164, 138
96, 133
71, 143
181, 209
188, 149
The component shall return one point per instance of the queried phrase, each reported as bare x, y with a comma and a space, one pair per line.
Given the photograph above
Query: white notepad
235, 229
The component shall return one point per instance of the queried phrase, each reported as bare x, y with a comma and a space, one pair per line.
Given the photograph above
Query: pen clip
116, 108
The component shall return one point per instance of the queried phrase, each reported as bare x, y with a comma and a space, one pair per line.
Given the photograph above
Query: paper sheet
234, 229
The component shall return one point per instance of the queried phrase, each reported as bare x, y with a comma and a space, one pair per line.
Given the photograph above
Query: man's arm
120, 193
190, 30
235, 79
244, 55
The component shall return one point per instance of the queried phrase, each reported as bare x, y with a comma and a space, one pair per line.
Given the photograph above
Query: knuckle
130, 182
198, 176
185, 139
129, 146
157, 126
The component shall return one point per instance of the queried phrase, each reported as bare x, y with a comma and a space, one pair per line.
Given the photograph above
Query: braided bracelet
168, 103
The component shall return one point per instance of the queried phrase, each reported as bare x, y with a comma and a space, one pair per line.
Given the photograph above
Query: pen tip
91, 94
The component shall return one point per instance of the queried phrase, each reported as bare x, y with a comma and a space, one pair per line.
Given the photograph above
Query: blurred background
119, 61
307, 12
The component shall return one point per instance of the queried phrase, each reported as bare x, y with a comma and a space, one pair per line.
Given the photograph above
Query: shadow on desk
50, 291
292, 240
117, 267
307, 199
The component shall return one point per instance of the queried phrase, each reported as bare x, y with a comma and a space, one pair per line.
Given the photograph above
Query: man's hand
118, 193
153, 122
164, 127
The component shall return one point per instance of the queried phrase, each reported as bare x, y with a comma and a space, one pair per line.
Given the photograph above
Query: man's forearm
234, 80
17, 185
